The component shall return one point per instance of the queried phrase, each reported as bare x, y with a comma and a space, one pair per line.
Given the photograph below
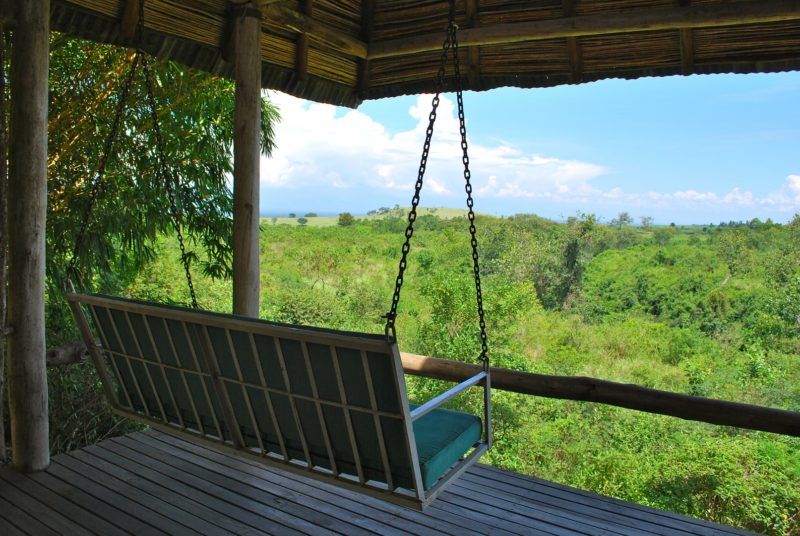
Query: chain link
450, 43
470, 203
391, 316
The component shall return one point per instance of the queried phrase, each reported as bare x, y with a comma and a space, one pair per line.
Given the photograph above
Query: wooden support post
27, 373
247, 159
7, 14
3, 238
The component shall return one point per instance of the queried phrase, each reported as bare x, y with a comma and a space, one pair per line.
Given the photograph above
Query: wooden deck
153, 483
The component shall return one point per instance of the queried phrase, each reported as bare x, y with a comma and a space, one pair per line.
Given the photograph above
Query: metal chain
391, 316
140, 57
470, 203
170, 182
98, 182
450, 42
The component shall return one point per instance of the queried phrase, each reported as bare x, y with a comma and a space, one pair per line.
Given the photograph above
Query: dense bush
579, 298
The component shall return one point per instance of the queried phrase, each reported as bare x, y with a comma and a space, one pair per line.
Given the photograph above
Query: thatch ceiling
346, 51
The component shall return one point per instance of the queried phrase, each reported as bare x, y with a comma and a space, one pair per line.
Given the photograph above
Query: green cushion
443, 437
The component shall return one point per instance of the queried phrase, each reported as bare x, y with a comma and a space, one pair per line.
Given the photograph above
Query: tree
346, 219
195, 113
732, 247
311, 215
622, 220
647, 221
292, 215
663, 235
302, 221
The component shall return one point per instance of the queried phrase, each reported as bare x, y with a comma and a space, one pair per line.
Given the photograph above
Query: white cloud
322, 150
317, 147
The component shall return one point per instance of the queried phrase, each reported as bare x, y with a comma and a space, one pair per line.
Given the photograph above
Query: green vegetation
328, 221
712, 312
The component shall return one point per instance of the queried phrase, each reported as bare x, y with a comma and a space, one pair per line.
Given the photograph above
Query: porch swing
328, 404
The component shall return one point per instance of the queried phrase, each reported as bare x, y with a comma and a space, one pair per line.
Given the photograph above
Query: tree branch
69, 354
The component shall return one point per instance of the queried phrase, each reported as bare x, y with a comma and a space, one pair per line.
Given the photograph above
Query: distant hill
402, 212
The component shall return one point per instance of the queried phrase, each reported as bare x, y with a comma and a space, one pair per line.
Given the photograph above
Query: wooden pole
27, 373
622, 395
247, 159
3, 238
616, 22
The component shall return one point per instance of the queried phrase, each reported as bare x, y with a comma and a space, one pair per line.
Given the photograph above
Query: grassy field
710, 311
328, 221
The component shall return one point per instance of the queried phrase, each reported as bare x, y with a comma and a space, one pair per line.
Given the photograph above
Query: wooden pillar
3, 237
27, 374
247, 158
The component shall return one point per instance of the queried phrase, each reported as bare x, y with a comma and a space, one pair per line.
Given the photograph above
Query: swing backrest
322, 401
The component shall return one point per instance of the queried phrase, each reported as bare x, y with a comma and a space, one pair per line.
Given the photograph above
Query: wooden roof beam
301, 48
573, 44
473, 53
367, 22
303, 24
687, 44
630, 20
130, 18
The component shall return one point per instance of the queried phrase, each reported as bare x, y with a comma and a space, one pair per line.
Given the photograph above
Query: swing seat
329, 404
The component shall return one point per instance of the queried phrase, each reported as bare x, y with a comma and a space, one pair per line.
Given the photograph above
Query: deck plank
154, 483
178, 519
54, 501
360, 524
675, 522
380, 511
24, 520
7, 528
228, 503
51, 518
255, 489
195, 515
226, 516
273, 506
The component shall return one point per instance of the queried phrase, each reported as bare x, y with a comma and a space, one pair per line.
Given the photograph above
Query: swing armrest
435, 402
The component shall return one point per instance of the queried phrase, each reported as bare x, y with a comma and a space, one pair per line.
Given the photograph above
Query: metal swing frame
152, 400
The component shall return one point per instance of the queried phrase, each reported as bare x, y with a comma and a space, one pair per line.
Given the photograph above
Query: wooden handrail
693, 408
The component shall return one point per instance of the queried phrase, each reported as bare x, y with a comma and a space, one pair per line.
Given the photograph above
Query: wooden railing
629, 396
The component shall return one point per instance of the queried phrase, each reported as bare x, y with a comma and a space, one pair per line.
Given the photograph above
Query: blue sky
693, 149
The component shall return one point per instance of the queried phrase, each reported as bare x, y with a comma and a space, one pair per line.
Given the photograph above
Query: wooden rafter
573, 44
318, 32
473, 53
687, 44
367, 22
130, 18
301, 50
628, 21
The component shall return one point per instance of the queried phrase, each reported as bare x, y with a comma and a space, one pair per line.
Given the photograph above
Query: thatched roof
346, 51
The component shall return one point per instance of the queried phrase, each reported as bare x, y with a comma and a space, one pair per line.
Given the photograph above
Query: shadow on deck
153, 483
